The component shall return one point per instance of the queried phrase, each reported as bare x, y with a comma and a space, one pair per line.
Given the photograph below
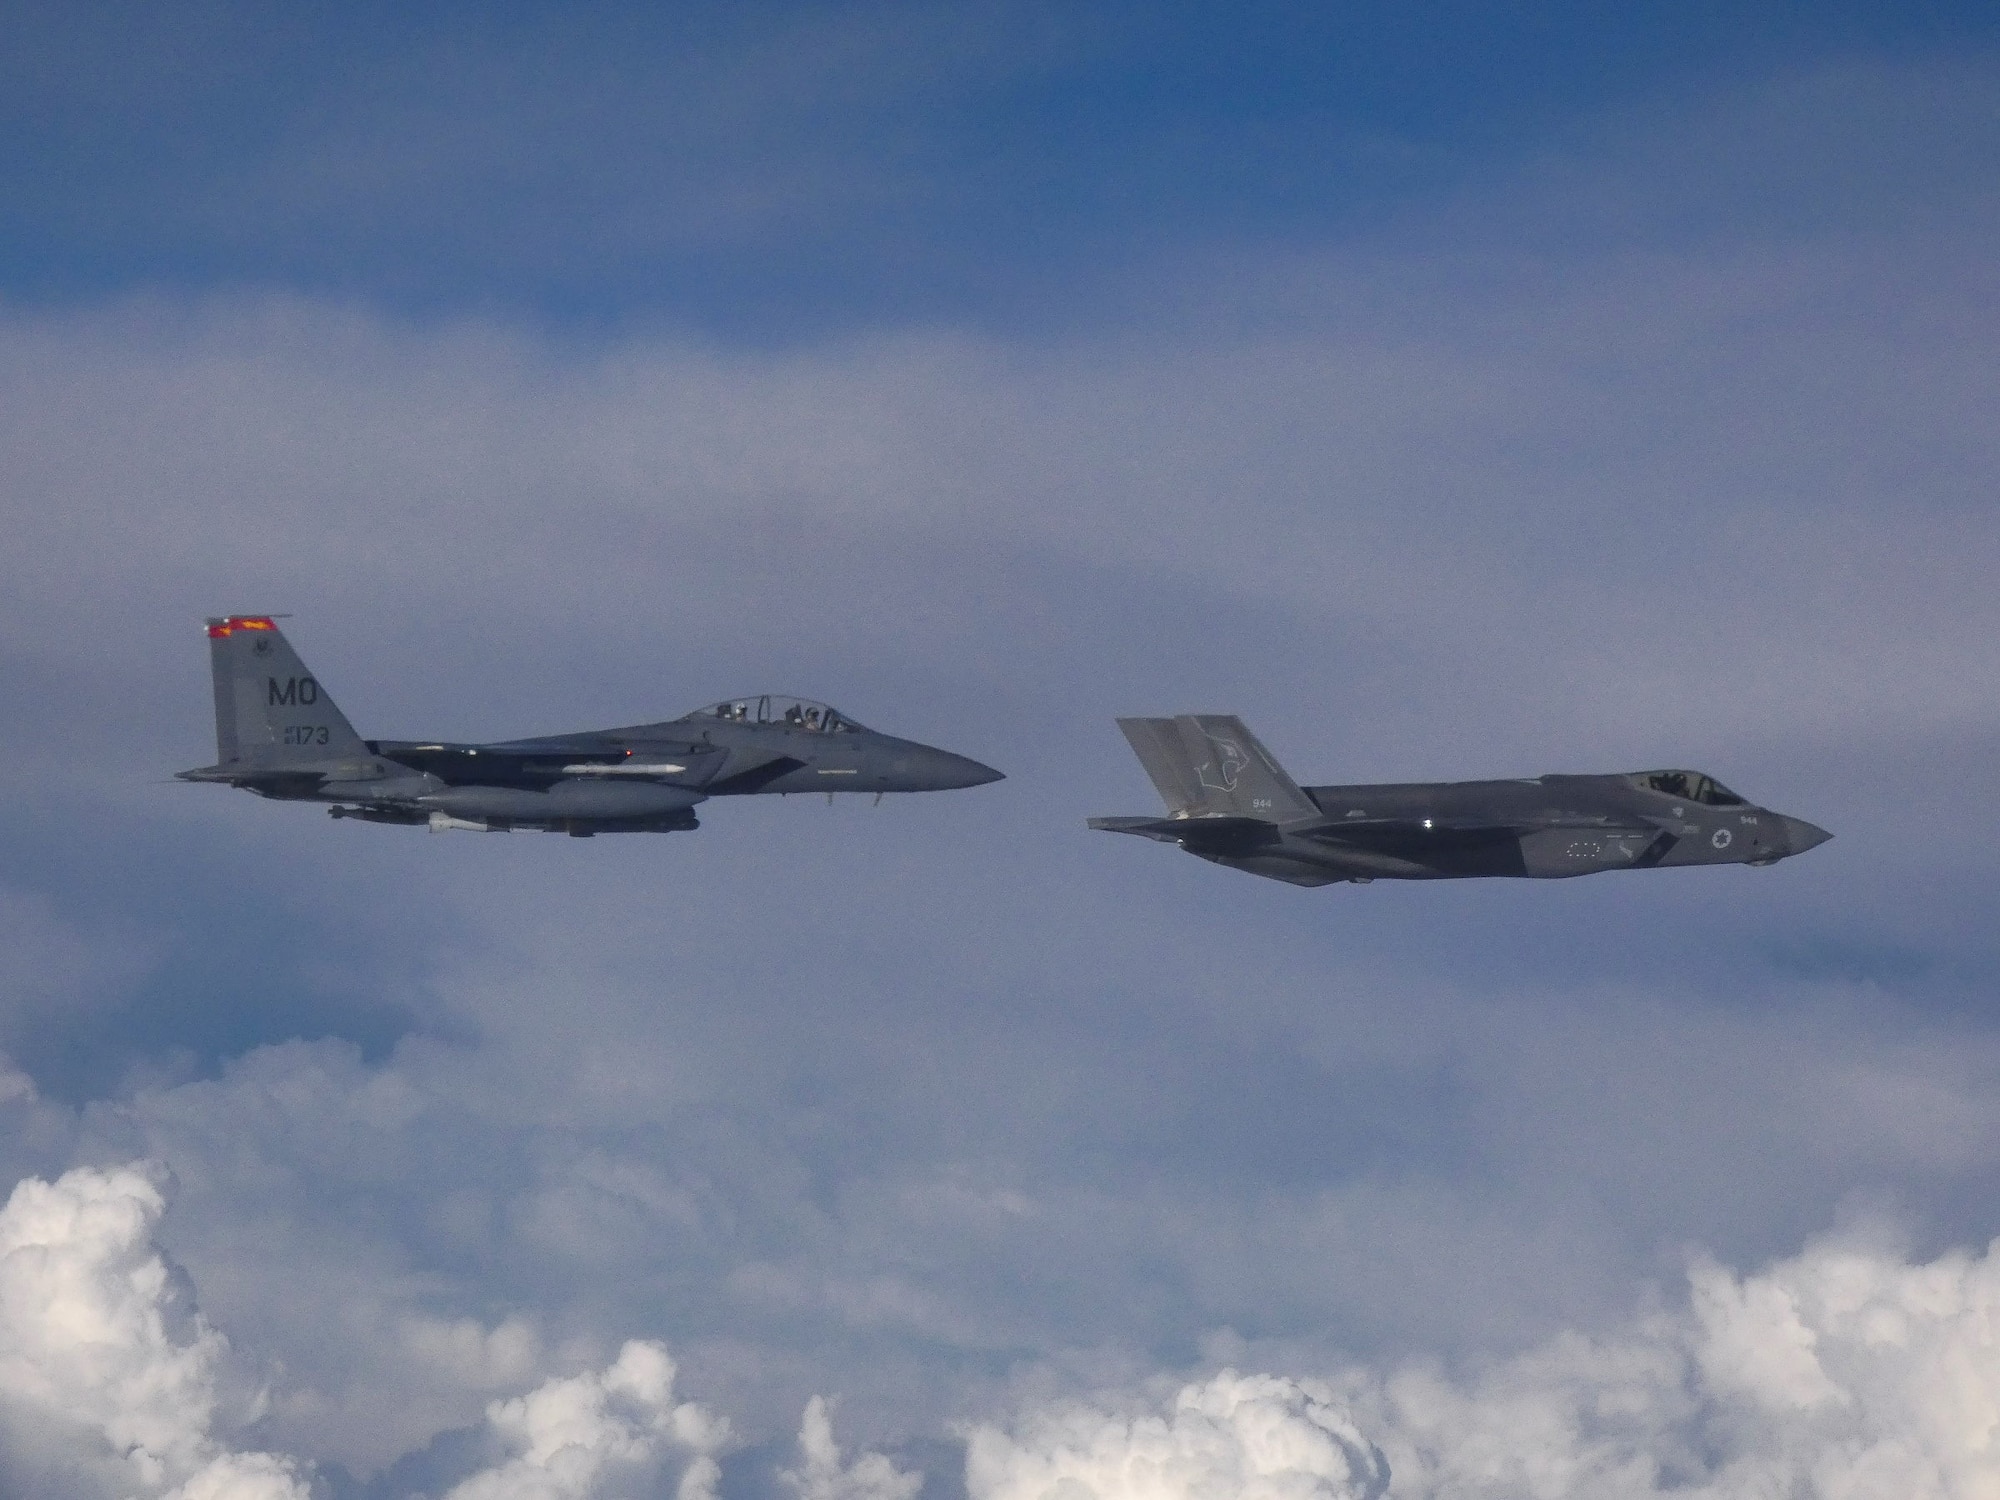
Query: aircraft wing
749, 773
1215, 832
1415, 836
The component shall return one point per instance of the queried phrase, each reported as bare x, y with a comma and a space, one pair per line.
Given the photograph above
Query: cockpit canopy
1691, 786
776, 708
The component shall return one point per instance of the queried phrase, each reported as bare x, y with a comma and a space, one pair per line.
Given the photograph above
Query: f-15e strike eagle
1230, 802
279, 735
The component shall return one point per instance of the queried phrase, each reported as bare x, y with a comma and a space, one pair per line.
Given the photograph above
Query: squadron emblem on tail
1219, 773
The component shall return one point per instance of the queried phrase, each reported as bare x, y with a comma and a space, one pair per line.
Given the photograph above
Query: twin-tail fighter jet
1228, 801
279, 735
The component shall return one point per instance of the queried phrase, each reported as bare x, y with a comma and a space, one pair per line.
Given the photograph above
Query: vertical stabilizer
1211, 765
270, 711
1157, 743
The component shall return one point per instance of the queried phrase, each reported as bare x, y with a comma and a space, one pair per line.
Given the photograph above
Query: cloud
1847, 1371
103, 1353
596, 1433
1556, 505
1416, 1170
112, 1380
1233, 1437
823, 1476
1842, 1373
14, 1084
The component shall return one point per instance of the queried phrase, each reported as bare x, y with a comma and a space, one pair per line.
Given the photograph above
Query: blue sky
1449, 393
762, 172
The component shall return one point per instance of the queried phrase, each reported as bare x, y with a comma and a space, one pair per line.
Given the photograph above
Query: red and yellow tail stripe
222, 629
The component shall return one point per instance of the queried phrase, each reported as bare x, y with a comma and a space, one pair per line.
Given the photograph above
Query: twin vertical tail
1211, 766
270, 713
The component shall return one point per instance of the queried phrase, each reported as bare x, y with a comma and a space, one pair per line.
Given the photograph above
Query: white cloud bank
823, 1476
113, 1383
601, 1433
1843, 1374
103, 1353
1245, 1437
1846, 1373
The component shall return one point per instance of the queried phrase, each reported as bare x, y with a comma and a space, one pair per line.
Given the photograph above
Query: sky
1450, 391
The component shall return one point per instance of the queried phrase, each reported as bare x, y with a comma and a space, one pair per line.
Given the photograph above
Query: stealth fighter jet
279, 735
1230, 802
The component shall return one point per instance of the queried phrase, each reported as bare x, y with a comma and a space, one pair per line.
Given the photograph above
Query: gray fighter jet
279, 735
1230, 802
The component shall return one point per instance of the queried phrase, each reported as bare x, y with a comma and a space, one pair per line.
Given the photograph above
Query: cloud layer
1847, 1371
112, 1381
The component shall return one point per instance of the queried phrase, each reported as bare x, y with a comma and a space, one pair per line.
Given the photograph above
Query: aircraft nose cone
924, 768
963, 770
1803, 835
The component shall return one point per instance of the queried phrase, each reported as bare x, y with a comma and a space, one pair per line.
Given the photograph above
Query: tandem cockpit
1690, 786
778, 710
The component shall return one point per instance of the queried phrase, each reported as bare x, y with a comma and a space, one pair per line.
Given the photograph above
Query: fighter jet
1228, 801
278, 734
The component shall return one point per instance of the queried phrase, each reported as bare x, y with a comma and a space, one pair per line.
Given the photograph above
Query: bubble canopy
778, 709
1692, 785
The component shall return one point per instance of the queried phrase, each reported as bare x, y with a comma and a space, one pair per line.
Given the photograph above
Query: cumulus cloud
600, 1434
1845, 1372
107, 1369
1235, 1437
113, 1383
14, 1084
823, 1476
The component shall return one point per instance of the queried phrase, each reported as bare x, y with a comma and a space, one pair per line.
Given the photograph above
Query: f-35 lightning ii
1228, 801
279, 735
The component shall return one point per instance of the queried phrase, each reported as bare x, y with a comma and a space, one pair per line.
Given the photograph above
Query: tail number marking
296, 690
305, 734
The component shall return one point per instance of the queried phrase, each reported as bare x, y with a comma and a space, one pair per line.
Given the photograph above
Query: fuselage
639, 778
279, 734
1544, 827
